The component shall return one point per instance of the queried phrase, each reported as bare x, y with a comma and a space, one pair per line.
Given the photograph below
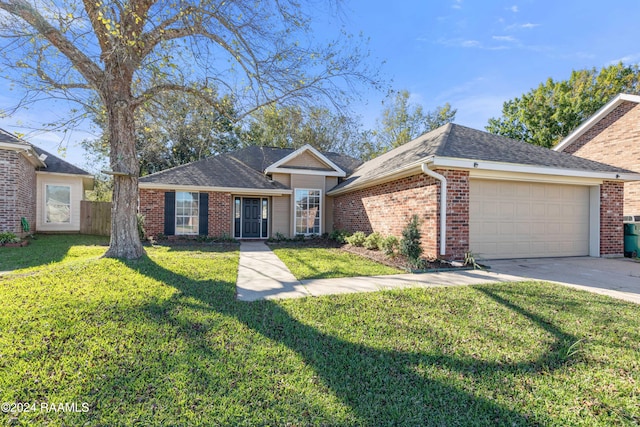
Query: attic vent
627, 218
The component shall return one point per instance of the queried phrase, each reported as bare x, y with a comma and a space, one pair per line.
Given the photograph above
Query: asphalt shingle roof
54, 163
243, 168
456, 141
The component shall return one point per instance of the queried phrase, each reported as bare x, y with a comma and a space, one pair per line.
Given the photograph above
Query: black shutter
203, 214
169, 213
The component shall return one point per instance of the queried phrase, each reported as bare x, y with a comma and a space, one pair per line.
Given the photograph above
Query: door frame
236, 217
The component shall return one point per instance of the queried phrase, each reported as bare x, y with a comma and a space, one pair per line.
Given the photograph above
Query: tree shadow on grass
45, 249
380, 386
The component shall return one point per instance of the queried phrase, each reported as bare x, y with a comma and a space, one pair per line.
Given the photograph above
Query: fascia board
26, 150
470, 164
234, 190
408, 170
72, 175
304, 171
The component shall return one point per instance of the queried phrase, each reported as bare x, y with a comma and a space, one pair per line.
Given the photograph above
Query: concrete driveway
616, 277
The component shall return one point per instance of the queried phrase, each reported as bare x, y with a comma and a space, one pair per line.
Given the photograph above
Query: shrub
410, 242
339, 236
389, 245
8, 237
373, 241
357, 238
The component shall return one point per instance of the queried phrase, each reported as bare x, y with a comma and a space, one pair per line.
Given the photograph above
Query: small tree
410, 242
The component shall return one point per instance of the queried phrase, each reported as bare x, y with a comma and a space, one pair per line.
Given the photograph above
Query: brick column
611, 212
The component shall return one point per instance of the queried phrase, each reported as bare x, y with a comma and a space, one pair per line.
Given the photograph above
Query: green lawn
325, 263
162, 341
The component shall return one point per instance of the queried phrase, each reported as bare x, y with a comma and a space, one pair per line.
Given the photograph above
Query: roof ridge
445, 137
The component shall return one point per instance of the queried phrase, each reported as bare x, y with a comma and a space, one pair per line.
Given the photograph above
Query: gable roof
459, 146
595, 118
241, 169
282, 165
43, 160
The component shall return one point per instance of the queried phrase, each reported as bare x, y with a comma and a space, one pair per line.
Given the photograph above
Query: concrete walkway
261, 275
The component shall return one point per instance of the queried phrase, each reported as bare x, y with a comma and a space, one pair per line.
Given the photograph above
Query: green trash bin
631, 246
630, 229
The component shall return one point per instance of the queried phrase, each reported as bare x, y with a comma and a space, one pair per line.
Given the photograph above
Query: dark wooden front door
251, 219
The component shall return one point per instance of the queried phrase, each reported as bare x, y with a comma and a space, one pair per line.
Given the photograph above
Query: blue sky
473, 54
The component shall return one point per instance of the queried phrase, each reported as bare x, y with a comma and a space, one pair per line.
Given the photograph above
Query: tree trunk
125, 242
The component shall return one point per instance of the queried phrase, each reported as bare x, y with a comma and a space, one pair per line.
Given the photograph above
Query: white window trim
320, 205
175, 216
44, 214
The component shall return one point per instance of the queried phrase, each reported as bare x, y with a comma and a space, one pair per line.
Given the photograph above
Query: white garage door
522, 220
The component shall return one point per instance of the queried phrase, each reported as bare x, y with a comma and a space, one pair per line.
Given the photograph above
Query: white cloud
457, 4
627, 59
514, 9
504, 38
525, 26
470, 43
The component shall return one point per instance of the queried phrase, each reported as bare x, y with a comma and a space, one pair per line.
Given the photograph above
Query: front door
251, 218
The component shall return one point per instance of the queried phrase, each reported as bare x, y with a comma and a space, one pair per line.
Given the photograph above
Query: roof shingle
456, 141
54, 163
243, 168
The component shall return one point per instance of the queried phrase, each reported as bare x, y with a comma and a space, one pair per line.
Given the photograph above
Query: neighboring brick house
41, 188
502, 198
612, 136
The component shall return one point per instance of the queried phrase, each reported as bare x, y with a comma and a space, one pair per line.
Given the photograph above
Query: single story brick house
41, 188
472, 190
612, 136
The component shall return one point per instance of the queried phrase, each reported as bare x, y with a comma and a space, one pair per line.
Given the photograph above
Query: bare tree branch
24, 10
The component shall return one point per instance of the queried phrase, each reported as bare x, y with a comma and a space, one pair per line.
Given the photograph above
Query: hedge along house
252, 193
41, 188
493, 196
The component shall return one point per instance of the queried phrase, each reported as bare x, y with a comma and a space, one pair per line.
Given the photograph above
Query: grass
326, 263
162, 341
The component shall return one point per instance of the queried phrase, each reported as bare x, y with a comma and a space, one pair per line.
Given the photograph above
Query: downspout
443, 206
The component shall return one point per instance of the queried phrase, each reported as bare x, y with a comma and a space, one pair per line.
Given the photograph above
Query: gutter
443, 206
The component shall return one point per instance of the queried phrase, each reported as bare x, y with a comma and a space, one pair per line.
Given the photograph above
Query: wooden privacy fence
95, 218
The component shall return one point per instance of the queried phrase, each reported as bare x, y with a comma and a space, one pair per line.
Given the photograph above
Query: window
57, 204
265, 218
236, 217
186, 213
307, 219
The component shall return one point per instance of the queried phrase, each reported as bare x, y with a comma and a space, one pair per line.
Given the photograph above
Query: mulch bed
398, 261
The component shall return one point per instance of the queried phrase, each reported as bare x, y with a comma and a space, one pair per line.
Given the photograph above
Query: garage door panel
523, 208
507, 229
518, 219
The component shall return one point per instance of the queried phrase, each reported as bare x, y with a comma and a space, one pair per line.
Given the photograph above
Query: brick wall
17, 192
611, 211
152, 207
615, 140
219, 214
387, 208
457, 213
